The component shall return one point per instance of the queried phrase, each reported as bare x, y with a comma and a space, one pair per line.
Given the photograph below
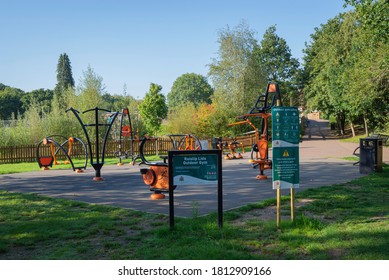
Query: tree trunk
366, 127
341, 120
352, 128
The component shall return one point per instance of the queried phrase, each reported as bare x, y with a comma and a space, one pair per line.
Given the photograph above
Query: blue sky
138, 42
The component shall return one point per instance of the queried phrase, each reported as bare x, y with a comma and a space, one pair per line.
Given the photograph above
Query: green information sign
285, 125
199, 167
195, 169
285, 145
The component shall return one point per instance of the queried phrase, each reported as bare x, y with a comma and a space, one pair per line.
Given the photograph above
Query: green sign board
198, 167
195, 169
286, 125
285, 146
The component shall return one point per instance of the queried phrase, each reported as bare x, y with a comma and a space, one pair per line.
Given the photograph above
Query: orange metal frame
261, 159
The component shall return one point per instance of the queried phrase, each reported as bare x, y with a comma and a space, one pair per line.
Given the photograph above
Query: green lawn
356, 138
345, 221
33, 166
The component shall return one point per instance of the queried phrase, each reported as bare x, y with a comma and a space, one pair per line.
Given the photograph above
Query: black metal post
220, 188
97, 165
97, 136
171, 190
219, 182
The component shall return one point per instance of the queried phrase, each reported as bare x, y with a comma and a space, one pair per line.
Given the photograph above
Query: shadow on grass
346, 221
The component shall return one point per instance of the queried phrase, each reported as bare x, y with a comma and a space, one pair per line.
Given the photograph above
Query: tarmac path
321, 164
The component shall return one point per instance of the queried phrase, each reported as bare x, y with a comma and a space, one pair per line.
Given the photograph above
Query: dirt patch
336, 254
269, 213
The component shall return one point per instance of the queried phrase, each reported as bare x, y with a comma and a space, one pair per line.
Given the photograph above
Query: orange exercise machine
156, 176
231, 148
260, 150
185, 142
124, 134
46, 161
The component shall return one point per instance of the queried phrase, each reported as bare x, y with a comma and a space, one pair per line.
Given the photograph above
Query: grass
33, 166
357, 137
353, 139
345, 221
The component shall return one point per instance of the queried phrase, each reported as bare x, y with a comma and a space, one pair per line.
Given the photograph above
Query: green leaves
64, 74
236, 75
153, 109
190, 87
347, 69
275, 57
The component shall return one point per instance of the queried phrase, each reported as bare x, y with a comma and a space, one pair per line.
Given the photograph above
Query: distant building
314, 115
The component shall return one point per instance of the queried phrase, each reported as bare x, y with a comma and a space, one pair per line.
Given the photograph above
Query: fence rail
27, 153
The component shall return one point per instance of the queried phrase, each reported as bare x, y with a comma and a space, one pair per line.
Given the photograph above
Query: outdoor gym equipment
185, 142
47, 161
156, 176
124, 133
98, 154
231, 148
260, 150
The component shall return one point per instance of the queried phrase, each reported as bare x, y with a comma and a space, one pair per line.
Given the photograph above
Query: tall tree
235, 74
368, 67
189, 87
91, 90
325, 62
275, 56
153, 109
64, 75
347, 69
373, 17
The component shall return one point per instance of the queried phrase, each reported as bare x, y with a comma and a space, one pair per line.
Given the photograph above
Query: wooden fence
27, 153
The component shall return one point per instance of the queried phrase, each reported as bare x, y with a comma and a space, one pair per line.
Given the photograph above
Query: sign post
285, 144
195, 167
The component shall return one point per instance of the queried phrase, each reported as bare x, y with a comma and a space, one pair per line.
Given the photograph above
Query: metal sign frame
197, 153
285, 142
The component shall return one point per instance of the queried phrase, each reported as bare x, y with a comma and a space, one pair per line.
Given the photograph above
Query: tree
41, 97
373, 17
204, 127
368, 64
275, 56
191, 88
91, 90
2, 86
10, 102
64, 75
236, 75
325, 61
153, 109
347, 70
181, 120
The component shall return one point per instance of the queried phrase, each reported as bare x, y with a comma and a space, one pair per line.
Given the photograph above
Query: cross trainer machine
260, 150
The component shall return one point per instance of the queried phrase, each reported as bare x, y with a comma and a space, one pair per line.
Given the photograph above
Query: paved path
320, 164
321, 144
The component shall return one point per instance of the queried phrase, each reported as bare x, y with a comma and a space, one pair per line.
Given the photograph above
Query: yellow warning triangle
285, 154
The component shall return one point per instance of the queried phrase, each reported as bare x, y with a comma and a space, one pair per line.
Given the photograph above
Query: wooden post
278, 104
278, 208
